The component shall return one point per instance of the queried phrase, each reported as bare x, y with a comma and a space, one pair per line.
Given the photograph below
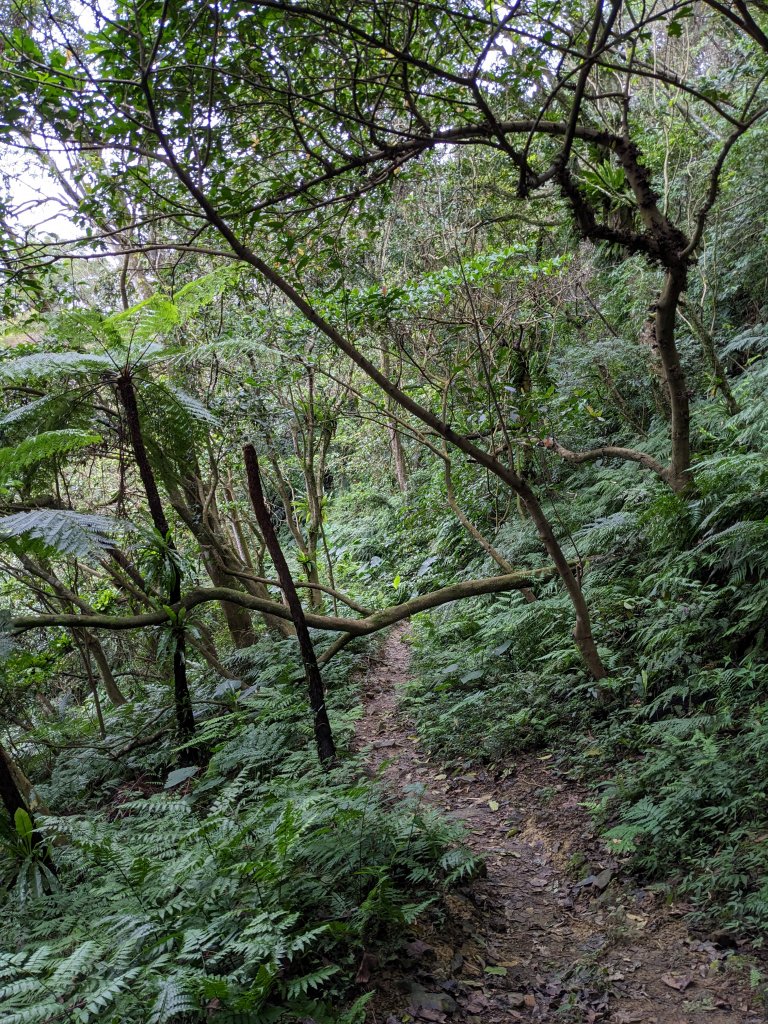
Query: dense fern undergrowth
674, 741
327, 308
247, 890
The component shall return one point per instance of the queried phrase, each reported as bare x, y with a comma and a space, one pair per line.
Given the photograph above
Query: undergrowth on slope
244, 891
675, 740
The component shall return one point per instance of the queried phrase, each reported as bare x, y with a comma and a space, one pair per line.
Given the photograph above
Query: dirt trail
556, 931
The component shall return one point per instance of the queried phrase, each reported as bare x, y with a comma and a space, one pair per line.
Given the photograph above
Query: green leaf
23, 824
175, 778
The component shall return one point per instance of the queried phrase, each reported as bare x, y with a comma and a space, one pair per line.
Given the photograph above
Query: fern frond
79, 962
144, 322
301, 986
172, 1000
69, 533
43, 446
26, 410
54, 364
191, 406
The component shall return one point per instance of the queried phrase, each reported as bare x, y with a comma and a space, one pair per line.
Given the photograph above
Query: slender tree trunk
473, 531
719, 375
658, 377
582, 631
217, 553
312, 571
9, 790
395, 441
185, 719
238, 619
69, 596
398, 457
200, 514
238, 534
86, 656
680, 476
105, 671
326, 748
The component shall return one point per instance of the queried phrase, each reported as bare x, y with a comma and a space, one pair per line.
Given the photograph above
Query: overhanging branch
608, 451
356, 627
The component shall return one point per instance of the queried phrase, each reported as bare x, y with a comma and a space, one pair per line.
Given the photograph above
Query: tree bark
185, 718
202, 520
473, 531
105, 671
582, 631
680, 477
326, 748
217, 555
395, 441
9, 790
14, 801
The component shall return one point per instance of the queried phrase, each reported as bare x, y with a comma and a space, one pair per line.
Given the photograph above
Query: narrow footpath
556, 931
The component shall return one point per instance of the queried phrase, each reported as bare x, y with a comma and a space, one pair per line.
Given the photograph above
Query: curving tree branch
356, 627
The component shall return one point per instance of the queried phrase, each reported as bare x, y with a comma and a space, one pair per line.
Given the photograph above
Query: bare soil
557, 930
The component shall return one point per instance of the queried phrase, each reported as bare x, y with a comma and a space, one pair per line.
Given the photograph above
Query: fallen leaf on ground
476, 1003
367, 964
418, 948
601, 880
431, 1015
680, 982
493, 804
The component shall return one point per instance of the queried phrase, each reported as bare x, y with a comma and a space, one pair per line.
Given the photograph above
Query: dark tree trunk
185, 719
13, 801
9, 790
326, 748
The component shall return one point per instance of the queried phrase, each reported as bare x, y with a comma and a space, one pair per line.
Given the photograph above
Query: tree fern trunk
185, 719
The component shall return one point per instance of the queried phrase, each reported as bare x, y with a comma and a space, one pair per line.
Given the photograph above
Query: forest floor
556, 931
